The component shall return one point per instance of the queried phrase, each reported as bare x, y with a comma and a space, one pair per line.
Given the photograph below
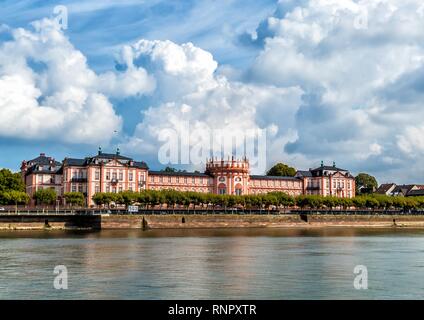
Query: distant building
41, 173
112, 172
416, 193
404, 190
386, 188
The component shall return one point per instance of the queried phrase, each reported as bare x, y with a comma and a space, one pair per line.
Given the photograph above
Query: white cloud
47, 90
190, 91
362, 83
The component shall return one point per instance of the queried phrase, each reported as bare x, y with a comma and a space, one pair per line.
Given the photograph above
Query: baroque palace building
112, 172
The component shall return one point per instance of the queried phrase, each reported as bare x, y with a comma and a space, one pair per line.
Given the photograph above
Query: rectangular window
97, 189
114, 175
107, 175
161, 179
121, 176
74, 188
185, 180
169, 179
152, 179
107, 189
178, 179
130, 176
97, 175
193, 180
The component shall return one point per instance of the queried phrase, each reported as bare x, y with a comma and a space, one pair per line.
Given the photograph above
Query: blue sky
100, 28
97, 28
328, 80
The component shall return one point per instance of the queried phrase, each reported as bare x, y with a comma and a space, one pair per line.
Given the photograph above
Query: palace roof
104, 156
328, 168
43, 164
304, 173
43, 160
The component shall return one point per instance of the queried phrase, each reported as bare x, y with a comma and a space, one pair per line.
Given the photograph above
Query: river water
213, 264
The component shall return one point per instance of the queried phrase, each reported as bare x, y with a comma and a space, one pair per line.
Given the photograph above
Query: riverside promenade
89, 219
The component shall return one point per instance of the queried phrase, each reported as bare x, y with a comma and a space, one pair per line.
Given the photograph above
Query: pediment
338, 174
114, 163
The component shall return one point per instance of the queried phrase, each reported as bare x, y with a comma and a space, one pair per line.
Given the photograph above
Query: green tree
11, 181
74, 198
366, 183
371, 202
18, 197
45, 196
128, 197
281, 169
98, 198
4, 197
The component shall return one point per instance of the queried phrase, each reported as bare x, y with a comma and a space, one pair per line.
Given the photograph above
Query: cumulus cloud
191, 92
47, 90
360, 66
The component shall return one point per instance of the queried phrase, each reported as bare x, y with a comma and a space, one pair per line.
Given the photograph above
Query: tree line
172, 198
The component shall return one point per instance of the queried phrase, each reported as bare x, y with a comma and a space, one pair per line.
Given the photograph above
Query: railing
78, 179
47, 213
209, 210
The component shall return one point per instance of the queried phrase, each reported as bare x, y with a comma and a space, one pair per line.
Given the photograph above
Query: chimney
334, 164
100, 151
118, 152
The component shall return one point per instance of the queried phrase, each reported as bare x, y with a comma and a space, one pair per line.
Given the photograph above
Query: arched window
239, 189
222, 188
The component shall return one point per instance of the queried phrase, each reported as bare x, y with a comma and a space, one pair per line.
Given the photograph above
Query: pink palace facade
113, 172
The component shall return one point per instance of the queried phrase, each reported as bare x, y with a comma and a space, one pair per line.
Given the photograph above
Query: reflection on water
213, 263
